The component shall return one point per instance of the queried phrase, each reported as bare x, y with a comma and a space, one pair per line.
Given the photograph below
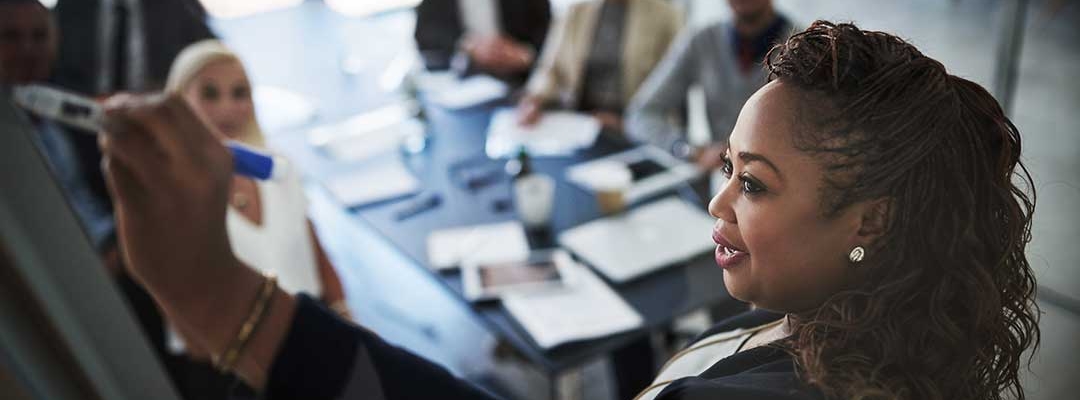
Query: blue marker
86, 114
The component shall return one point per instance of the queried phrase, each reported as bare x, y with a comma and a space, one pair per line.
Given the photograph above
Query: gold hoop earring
857, 254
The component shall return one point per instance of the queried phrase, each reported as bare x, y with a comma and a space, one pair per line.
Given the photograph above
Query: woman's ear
876, 216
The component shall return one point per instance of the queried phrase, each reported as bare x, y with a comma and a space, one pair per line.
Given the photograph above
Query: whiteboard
65, 333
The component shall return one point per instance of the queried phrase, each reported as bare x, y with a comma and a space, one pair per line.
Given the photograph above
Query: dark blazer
762, 373
439, 27
324, 357
170, 25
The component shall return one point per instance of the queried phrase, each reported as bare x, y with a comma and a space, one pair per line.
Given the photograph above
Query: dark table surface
457, 138
306, 52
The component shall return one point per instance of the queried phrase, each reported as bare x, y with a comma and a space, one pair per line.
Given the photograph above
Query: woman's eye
727, 168
750, 186
240, 93
210, 93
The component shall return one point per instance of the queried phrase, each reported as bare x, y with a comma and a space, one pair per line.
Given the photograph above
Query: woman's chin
734, 282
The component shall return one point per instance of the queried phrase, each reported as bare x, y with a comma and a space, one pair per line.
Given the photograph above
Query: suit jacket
651, 25
324, 357
439, 27
170, 25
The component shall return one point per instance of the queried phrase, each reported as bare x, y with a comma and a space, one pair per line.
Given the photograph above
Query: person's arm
546, 80
648, 117
355, 362
333, 293
164, 168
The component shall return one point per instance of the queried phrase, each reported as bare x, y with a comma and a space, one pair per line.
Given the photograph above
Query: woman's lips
727, 255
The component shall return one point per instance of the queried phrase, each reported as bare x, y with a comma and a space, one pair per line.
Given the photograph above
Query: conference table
456, 138
343, 88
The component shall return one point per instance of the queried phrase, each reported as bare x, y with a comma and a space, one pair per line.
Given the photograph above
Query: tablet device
542, 270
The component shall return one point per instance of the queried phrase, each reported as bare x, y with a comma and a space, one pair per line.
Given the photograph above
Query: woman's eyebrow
748, 157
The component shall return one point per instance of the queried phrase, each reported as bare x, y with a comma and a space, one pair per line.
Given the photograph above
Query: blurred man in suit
124, 45
496, 37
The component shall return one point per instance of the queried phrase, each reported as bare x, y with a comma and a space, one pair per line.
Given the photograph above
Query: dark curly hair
944, 307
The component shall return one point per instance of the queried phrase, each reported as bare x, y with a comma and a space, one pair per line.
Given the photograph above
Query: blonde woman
266, 221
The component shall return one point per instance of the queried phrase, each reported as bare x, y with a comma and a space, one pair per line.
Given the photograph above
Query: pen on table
419, 206
85, 113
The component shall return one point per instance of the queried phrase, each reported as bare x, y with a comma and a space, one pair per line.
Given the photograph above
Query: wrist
216, 307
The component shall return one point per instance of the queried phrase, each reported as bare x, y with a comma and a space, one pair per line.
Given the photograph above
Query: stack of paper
557, 133
651, 237
587, 310
369, 134
504, 241
279, 109
451, 92
379, 181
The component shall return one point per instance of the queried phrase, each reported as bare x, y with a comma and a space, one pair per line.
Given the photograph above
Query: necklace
239, 200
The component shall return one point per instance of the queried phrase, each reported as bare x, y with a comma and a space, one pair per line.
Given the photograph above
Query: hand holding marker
85, 113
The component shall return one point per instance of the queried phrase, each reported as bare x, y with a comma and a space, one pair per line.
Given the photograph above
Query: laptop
652, 237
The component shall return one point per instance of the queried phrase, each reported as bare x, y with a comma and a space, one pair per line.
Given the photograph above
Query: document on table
588, 309
449, 91
654, 236
557, 133
368, 135
505, 241
378, 181
279, 109
373, 143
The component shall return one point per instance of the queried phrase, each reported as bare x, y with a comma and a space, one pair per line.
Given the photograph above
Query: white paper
587, 310
377, 182
448, 91
654, 236
504, 241
677, 172
279, 109
557, 133
373, 143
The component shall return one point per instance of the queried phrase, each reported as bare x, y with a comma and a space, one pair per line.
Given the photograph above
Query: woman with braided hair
876, 215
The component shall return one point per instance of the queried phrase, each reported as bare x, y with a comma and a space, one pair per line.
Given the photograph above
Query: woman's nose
721, 204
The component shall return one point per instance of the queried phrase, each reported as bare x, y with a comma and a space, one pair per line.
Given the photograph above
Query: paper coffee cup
609, 182
534, 197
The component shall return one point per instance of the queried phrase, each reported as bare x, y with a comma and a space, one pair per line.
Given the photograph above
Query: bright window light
243, 8
363, 8
49, 3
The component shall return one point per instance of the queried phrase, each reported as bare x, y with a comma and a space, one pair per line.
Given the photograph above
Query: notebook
379, 181
557, 133
646, 239
504, 241
588, 309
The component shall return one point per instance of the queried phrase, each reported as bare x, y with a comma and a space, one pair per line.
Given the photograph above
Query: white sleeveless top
699, 357
282, 245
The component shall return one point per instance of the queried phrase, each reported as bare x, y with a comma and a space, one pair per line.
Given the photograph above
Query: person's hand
529, 111
498, 54
609, 121
169, 176
710, 157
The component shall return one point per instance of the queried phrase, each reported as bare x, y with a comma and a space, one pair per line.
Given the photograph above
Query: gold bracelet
258, 311
341, 308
